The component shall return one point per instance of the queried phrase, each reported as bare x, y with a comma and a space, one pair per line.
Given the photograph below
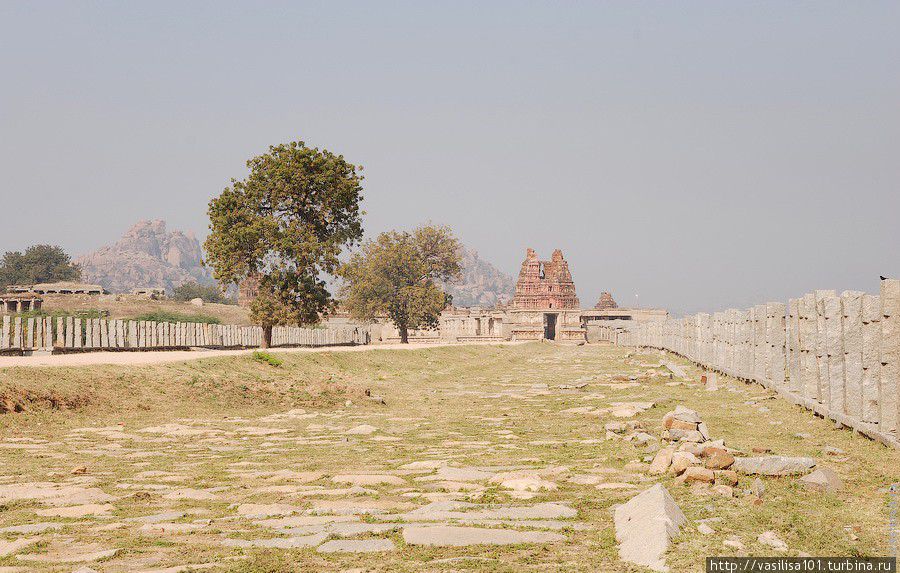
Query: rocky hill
148, 255
482, 283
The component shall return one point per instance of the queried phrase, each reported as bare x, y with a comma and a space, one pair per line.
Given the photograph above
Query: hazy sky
697, 154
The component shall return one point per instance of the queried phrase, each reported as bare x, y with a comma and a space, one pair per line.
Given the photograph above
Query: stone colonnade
71, 333
836, 354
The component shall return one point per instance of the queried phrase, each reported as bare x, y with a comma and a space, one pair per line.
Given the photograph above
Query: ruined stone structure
545, 284
13, 303
606, 302
58, 288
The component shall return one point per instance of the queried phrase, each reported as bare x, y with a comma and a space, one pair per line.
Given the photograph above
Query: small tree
39, 264
209, 293
397, 276
285, 225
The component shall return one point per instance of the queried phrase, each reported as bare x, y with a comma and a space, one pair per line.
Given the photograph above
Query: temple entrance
550, 326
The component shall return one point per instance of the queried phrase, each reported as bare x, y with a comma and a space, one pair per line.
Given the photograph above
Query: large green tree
284, 227
38, 264
398, 275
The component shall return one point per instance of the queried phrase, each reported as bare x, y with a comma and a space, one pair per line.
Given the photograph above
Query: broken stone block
771, 539
773, 465
823, 479
687, 415
697, 474
722, 490
682, 461
661, 461
645, 524
686, 435
717, 458
726, 477
680, 425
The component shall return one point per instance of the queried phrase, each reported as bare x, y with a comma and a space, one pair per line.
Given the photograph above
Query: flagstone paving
475, 466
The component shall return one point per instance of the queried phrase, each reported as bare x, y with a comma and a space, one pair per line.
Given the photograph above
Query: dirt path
165, 356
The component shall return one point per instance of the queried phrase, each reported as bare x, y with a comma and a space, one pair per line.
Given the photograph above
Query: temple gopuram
545, 284
545, 305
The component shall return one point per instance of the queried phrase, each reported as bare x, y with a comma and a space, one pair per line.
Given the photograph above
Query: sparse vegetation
399, 275
169, 316
207, 293
267, 358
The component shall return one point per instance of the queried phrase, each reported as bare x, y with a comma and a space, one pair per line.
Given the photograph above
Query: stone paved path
489, 463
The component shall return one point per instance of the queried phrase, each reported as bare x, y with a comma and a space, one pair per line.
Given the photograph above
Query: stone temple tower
545, 284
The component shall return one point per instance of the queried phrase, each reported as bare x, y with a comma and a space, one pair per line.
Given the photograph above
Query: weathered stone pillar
29, 333
822, 346
70, 332
17, 332
776, 337
834, 352
852, 324
871, 356
793, 344
890, 354
5, 338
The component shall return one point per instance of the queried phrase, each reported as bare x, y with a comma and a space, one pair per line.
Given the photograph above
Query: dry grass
130, 307
440, 402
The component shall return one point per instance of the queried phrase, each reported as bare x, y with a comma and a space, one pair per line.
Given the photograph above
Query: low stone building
59, 288
16, 302
153, 293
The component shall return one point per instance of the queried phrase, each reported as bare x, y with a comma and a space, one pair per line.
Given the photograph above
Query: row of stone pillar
35, 333
837, 353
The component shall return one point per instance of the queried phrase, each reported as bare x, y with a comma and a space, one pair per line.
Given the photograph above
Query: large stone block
645, 524
834, 350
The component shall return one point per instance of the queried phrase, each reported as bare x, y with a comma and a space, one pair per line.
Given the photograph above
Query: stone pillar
95, 339
70, 332
76, 333
776, 336
29, 333
17, 332
807, 334
890, 354
793, 343
852, 324
60, 332
5, 339
834, 352
871, 357
822, 346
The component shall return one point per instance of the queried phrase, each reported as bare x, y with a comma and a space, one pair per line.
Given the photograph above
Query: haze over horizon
700, 155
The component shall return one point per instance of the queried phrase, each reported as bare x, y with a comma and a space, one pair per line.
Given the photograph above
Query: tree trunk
267, 336
404, 335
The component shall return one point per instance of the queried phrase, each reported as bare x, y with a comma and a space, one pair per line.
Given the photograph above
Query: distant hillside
482, 283
146, 256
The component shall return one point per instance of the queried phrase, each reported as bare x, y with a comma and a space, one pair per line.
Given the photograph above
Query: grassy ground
131, 307
493, 408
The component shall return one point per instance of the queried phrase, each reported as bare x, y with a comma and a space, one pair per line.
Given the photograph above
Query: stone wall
836, 354
76, 334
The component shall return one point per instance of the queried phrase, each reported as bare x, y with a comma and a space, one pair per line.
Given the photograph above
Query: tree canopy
208, 293
284, 226
38, 264
398, 274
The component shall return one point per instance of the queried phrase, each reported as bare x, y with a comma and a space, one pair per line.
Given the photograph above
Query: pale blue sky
700, 154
